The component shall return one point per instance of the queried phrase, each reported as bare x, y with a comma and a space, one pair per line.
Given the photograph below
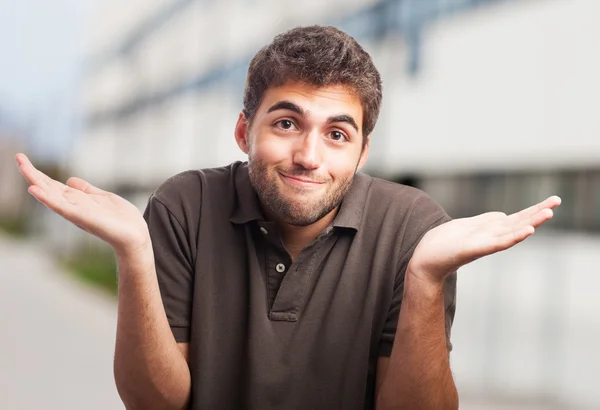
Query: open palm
447, 247
101, 213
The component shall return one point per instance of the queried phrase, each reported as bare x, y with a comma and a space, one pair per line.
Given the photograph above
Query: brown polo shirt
266, 332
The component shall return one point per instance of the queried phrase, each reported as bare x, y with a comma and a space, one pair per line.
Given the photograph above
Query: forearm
150, 370
418, 375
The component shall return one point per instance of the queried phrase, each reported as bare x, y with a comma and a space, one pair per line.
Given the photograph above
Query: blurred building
488, 105
13, 191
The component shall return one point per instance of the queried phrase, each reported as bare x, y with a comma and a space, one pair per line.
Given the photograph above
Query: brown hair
319, 56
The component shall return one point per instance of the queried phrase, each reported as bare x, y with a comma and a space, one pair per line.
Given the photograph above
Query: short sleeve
429, 215
174, 265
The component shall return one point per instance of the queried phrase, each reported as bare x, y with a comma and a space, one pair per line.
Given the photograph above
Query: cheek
342, 165
271, 150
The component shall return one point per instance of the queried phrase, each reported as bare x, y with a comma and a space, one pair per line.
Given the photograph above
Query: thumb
84, 186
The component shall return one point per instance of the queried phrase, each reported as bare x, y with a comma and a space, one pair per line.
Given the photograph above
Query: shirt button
263, 230
280, 267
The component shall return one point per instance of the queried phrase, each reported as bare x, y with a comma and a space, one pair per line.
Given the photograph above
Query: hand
103, 214
449, 246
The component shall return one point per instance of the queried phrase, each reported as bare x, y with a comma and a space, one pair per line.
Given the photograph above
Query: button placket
299, 279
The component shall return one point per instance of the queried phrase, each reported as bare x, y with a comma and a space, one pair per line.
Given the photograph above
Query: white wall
527, 323
513, 85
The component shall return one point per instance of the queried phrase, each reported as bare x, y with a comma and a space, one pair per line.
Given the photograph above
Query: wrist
423, 280
136, 253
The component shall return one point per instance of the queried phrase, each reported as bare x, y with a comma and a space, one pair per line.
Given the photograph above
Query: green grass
96, 267
16, 227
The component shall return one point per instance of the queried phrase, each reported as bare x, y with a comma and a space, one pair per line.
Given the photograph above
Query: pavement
58, 335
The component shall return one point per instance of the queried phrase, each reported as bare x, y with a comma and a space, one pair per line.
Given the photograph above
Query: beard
305, 207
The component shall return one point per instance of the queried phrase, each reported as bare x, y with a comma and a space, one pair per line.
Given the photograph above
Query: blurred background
488, 105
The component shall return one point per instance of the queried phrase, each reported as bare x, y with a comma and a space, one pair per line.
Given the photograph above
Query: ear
364, 154
241, 133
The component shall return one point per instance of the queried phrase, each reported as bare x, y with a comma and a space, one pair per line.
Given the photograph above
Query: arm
150, 370
417, 375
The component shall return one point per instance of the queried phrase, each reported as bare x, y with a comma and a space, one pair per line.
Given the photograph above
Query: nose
307, 153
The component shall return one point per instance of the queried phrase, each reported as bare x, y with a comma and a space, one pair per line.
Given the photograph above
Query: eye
337, 136
286, 125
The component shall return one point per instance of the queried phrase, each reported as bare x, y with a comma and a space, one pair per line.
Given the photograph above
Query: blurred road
56, 348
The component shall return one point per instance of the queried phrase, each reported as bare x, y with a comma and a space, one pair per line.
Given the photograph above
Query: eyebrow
343, 118
287, 105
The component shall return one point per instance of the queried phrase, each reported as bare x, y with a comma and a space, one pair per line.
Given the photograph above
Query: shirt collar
247, 206
353, 205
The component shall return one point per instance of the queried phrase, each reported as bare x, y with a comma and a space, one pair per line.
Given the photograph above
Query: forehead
318, 101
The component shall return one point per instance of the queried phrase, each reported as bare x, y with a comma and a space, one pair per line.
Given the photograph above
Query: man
291, 281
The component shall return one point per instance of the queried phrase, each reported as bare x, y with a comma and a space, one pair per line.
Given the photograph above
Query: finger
512, 237
72, 204
519, 235
540, 217
534, 220
37, 193
56, 196
504, 241
51, 198
82, 185
549, 203
31, 173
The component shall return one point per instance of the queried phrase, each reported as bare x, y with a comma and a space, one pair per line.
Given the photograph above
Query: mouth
300, 182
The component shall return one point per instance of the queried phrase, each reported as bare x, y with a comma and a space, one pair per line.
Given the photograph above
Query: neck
295, 238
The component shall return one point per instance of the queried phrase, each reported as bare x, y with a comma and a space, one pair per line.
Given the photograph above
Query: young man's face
304, 147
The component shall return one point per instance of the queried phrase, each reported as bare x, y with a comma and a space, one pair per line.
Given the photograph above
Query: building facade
478, 95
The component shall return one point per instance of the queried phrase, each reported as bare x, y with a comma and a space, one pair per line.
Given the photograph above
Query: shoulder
395, 218
401, 208
405, 200
182, 194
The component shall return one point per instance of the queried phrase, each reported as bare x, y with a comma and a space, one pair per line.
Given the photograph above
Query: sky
40, 68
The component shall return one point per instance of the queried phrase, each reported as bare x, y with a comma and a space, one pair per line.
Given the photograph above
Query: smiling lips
300, 182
